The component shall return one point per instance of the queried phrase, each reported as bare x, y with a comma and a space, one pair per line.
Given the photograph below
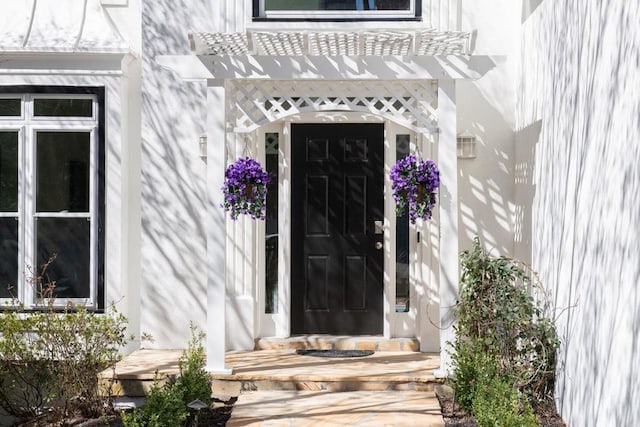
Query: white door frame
278, 324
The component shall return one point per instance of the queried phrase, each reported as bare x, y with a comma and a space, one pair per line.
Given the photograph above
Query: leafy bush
166, 406
497, 312
505, 349
51, 359
497, 403
472, 365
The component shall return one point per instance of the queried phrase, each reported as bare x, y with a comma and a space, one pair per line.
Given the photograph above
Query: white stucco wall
173, 194
578, 111
485, 109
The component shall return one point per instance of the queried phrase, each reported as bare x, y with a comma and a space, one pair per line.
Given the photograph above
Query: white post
448, 165
216, 230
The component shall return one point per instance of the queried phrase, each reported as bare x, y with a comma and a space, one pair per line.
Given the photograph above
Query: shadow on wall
485, 183
525, 148
173, 193
580, 78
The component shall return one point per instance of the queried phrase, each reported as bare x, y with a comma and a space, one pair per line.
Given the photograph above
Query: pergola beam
206, 67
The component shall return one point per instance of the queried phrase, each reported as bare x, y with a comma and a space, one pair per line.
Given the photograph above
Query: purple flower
245, 189
415, 183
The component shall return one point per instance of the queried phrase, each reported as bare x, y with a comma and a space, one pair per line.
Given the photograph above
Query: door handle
378, 227
378, 245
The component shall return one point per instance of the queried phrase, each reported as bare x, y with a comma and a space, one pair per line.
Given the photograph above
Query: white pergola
367, 56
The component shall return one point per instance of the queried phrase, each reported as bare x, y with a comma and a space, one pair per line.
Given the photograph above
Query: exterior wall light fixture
202, 147
466, 146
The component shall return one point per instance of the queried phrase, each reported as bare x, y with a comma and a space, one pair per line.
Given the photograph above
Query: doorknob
378, 245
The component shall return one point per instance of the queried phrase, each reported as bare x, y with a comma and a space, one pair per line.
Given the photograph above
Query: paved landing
356, 408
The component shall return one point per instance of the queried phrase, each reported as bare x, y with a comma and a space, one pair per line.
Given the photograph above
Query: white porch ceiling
333, 43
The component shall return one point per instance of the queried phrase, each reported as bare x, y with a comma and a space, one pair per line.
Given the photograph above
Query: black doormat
335, 353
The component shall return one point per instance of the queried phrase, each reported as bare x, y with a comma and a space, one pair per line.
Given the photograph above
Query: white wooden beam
190, 67
216, 231
449, 272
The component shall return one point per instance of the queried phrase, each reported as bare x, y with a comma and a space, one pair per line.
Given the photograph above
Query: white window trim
27, 127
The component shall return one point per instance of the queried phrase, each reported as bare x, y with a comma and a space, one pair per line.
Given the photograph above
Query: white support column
216, 229
448, 165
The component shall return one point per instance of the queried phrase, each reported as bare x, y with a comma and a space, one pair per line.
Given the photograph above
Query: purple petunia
415, 182
245, 189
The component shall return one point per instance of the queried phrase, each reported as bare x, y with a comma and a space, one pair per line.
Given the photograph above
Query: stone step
268, 370
362, 408
338, 342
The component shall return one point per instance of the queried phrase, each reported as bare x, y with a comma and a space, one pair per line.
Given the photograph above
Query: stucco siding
578, 116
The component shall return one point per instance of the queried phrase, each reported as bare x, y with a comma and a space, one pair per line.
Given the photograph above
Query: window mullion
27, 215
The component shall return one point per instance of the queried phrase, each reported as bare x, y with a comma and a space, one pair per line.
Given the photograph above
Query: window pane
69, 238
63, 172
8, 171
10, 107
43, 107
271, 225
8, 257
402, 240
315, 5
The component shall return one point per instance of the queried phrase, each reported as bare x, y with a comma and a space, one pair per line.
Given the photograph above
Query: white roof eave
60, 26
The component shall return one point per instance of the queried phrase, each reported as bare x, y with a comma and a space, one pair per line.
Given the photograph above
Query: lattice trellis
253, 103
332, 43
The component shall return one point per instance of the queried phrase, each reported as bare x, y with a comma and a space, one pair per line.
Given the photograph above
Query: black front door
336, 256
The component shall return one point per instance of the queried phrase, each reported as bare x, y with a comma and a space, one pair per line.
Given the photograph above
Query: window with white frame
52, 193
336, 9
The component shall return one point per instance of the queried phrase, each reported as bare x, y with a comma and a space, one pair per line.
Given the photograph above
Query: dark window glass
402, 240
10, 107
68, 239
44, 107
316, 5
8, 257
63, 172
271, 225
8, 171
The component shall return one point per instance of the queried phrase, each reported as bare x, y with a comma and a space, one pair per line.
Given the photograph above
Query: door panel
337, 194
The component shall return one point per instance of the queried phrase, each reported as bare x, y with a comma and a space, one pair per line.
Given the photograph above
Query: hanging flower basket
415, 182
245, 189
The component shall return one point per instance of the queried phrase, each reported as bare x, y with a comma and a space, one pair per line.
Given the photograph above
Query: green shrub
497, 312
51, 359
472, 365
497, 403
166, 406
194, 380
505, 348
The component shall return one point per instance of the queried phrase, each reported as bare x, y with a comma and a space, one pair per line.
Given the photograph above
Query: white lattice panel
432, 42
387, 43
279, 44
253, 103
332, 43
220, 43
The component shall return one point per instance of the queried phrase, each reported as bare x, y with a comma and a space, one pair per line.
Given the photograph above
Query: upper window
335, 9
52, 193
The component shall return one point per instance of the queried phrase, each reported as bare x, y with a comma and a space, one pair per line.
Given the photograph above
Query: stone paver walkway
355, 408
